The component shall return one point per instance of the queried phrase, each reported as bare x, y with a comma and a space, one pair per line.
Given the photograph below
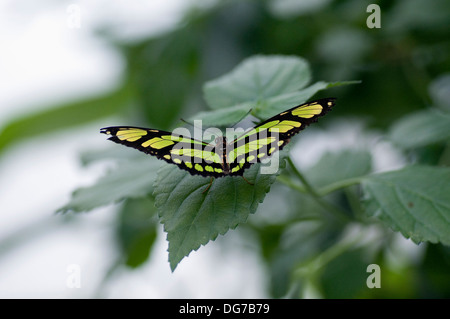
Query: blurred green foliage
404, 68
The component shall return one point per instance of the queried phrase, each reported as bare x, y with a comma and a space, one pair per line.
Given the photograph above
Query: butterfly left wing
196, 157
273, 134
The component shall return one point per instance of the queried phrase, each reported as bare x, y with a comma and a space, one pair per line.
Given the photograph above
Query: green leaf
223, 117
257, 78
280, 103
63, 117
266, 85
193, 217
113, 152
131, 179
414, 200
266, 108
137, 230
420, 129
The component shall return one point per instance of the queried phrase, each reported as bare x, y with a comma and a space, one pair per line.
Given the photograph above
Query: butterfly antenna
191, 124
247, 181
209, 186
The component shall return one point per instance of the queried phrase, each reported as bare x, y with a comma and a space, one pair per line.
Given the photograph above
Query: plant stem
338, 185
323, 190
355, 204
308, 188
318, 262
289, 183
306, 184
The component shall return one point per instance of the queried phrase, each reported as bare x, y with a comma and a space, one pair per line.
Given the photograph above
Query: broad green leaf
64, 116
414, 200
264, 109
257, 78
192, 216
131, 179
108, 153
338, 166
420, 129
266, 85
223, 117
282, 102
137, 230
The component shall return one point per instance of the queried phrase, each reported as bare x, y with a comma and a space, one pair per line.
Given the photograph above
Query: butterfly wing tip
330, 102
105, 130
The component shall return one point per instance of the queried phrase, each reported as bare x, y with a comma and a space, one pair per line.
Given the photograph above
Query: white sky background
44, 61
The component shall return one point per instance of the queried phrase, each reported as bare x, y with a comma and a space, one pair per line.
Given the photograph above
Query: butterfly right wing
274, 133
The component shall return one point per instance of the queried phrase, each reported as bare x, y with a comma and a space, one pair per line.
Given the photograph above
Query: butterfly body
221, 148
222, 158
